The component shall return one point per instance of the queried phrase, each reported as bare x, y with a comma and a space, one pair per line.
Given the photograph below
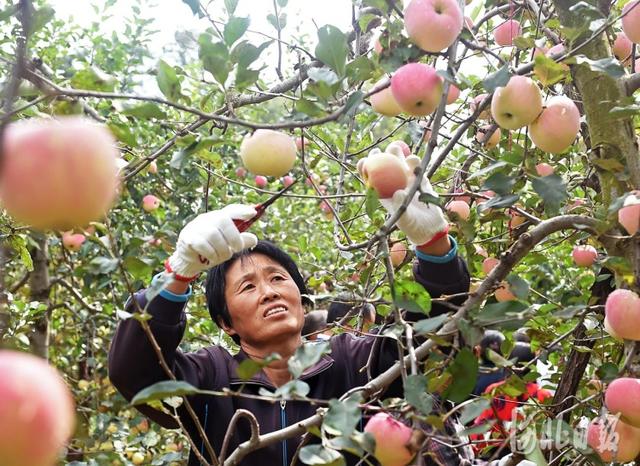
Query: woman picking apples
255, 293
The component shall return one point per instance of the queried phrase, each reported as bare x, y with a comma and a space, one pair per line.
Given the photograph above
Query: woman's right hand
208, 240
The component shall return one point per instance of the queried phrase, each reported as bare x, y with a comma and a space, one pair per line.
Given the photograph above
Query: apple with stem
517, 104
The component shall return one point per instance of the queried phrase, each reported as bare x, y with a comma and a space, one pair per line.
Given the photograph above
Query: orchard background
179, 116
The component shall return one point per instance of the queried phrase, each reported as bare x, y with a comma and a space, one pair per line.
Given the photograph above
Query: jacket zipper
283, 424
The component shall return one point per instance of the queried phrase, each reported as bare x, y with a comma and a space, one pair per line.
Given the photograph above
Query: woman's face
263, 301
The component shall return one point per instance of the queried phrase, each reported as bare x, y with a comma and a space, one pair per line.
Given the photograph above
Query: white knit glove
210, 239
420, 222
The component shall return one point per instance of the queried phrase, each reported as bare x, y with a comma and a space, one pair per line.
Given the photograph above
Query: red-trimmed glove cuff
177, 277
438, 236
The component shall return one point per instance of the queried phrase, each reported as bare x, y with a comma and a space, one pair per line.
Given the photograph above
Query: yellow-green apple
36, 411
268, 153
260, 181
137, 458
613, 439
629, 214
622, 311
393, 440
631, 20
517, 104
153, 167
72, 241
150, 203
490, 142
475, 103
544, 169
584, 255
384, 102
622, 47
489, 264
433, 25
241, 172
384, 172
397, 253
503, 293
58, 173
557, 126
417, 88
506, 32
454, 93
460, 209
623, 397
287, 180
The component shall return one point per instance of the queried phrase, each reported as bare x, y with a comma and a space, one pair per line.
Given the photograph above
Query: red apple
150, 203
59, 173
300, 144
417, 88
584, 255
557, 126
506, 32
37, 414
503, 293
623, 397
261, 181
404, 147
613, 440
489, 264
631, 20
384, 103
268, 153
71, 241
287, 180
397, 253
477, 100
544, 169
459, 208
481, 200
515, 219
629, 214
453, 95
393, 440
622, 311
517, 104
433, 25
494, 139
622, 47
384, 172
241, 172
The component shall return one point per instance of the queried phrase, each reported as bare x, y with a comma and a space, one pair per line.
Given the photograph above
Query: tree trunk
40, 288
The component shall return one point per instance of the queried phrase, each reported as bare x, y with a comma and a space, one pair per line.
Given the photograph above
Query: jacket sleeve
134, 364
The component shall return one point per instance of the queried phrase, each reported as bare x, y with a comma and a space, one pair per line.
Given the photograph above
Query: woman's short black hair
216, 279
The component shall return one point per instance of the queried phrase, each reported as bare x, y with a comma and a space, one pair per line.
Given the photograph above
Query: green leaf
360, 69
353, 101
230, 6
215, 58
332, 48
412, 296
464, 371
195, 6
306, 356
250, 367
279, 22
342, 417
166, 389
415, 391
234, 29
308, 107
244, 53
103, 265
137, 267
500, 183
19, 244
518, 286
473, 410
320, 455
430, 325
499, 202
292, 389
548, 70
371, 202
498, 79
610, 65
553, 190
40, 18
94, 79
607, 372
145, 111
323, 74
167, 80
